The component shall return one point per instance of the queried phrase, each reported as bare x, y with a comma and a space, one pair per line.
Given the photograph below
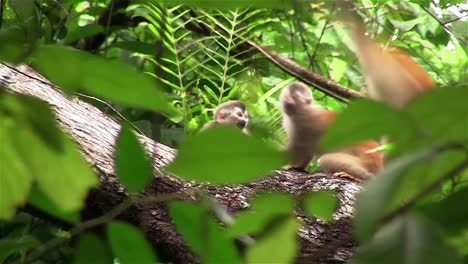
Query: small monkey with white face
231, 113
305, 125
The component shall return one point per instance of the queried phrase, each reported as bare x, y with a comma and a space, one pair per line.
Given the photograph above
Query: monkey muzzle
242, 123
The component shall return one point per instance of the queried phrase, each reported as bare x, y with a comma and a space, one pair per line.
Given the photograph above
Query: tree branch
95, 133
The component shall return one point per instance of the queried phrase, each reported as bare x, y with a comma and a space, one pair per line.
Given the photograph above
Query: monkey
305, 125
231, 113
392, 76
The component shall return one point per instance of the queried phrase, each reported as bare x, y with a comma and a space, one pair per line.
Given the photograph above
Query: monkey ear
222, 115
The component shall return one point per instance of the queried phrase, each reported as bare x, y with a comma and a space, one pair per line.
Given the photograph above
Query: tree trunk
96, 133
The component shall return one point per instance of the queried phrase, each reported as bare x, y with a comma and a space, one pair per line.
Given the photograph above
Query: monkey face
295, 95
233, 116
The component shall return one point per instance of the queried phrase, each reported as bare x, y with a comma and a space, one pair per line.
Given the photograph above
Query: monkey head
295, 95
232, 113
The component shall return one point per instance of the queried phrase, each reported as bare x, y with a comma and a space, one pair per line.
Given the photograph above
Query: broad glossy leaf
203, 234
136, 46
41, 201
364, 119
13, 48
261, 212
225, 155
15, 177
91, 249
442, 124
78, 33
407, 239
74, 70
373, 202
278, 246
132, 164
321, 204
36, 150
11, 246
128, 244
63, 175
450, 212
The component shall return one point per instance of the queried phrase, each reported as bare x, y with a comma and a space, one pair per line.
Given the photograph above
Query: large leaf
278, 246
132, 165
442, 124
449, 212
129, 244
203, 234
41, 201
364, 120
407, 240
225, 155
63, 175
74, 70
91, 250
373, 202
33, 148
15, 177
43, 153
261, 213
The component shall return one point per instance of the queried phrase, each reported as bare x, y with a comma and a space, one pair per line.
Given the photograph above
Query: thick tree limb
96, 134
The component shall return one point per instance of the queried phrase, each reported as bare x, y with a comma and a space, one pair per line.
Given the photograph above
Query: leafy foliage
183, 58
204, 157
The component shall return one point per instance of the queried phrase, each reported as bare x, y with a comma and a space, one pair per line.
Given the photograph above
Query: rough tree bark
96, 133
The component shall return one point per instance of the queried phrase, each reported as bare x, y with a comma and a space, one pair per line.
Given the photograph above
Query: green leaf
132, 165
74, 70
15, 177
407, 240
63, 175
13, 42
91, 249
83, 32
407, 25
42, 202
337, 69
279, 246
10, 246
373, 202
363, 120
128, 244
450, 212
442, 124
136, 46
203, 234
321, 204
225, 155
231, 4
34, 149
26, 14
261, 213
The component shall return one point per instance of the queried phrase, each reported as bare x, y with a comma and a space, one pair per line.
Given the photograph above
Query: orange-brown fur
392, 76
305, 125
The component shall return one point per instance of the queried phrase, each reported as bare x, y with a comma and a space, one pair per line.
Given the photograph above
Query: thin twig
409, 203
113, 213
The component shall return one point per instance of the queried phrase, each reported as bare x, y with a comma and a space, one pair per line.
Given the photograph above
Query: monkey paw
342, 174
